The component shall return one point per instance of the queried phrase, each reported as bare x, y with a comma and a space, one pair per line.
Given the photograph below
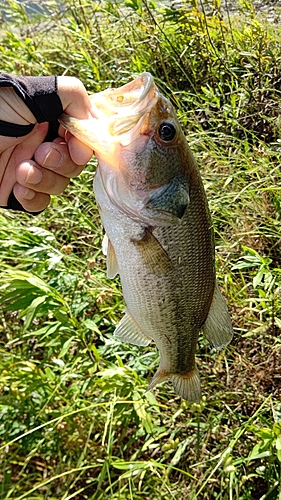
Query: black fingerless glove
40, 96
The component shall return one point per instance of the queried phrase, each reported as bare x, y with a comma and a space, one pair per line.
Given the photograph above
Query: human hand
34, 169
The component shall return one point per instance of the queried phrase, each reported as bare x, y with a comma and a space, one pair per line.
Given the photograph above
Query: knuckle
38, 203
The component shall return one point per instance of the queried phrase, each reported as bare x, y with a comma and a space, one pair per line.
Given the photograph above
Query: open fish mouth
119, 115
130, 99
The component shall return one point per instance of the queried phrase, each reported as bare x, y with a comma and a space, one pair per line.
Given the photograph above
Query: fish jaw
135, 162
119, 117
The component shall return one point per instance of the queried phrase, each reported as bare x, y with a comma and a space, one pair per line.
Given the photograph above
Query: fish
159, 233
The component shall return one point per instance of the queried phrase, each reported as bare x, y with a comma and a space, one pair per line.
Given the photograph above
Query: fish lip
126, 106
148, 85
123, 97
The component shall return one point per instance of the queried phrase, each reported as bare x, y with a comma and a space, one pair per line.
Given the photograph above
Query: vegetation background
76, 421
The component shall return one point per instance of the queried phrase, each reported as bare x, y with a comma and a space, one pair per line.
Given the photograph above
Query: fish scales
159, 231
175, 304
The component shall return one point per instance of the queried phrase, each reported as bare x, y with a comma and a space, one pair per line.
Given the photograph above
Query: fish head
137, 139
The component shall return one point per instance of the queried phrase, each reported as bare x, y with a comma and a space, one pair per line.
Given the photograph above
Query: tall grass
76, 420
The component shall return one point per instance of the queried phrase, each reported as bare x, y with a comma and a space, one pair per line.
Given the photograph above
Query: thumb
73, 96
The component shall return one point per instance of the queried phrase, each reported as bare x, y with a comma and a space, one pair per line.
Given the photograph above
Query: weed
76, 420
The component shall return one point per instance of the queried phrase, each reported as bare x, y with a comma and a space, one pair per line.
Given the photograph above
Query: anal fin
129, 331
218, 327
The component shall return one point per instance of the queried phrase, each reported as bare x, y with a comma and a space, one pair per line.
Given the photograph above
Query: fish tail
187, 385
160, 376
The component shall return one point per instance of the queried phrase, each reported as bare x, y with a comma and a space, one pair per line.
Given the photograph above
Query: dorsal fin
218, 327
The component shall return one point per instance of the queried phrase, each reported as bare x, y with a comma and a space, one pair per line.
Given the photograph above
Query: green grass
76, 421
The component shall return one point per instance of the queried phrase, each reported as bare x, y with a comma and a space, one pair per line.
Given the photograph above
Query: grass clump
76, 420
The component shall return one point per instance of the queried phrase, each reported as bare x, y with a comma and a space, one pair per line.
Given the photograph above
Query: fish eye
166, 131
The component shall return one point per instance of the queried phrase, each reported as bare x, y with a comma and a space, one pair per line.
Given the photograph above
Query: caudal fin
186, 385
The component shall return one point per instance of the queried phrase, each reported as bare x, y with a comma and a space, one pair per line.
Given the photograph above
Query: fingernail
34, 175
53, 158
29, 194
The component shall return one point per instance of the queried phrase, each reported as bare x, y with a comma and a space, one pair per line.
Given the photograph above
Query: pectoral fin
187, 385
111, 261
218, 327
153, 255
129, 331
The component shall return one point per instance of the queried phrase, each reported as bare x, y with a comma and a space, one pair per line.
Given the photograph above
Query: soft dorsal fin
218, 327
129, 331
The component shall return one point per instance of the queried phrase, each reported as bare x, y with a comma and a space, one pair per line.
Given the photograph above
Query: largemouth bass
160, 238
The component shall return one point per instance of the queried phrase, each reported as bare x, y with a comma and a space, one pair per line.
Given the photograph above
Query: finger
23, 148
41, 180
79, 152
73, 96
31, 200
67, 160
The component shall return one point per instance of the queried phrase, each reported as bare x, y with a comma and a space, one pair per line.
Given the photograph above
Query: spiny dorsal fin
218, 327
129, 331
